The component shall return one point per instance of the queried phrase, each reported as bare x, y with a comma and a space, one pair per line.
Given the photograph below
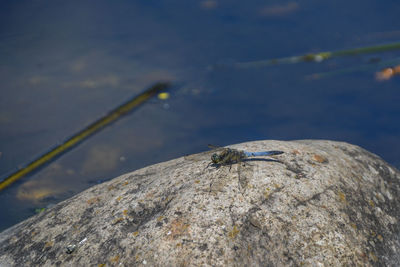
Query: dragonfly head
215, 158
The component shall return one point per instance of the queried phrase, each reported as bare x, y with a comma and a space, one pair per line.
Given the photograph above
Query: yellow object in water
163, 95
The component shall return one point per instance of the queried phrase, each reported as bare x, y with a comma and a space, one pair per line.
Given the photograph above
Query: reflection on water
65, 65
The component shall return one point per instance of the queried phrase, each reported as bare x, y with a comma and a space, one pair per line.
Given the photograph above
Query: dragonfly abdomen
263, 153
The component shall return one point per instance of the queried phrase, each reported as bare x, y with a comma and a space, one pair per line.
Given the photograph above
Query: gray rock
322, 203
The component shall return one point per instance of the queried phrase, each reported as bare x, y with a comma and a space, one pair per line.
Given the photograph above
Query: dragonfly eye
215, 158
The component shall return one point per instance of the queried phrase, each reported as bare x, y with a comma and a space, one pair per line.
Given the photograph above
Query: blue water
65, 64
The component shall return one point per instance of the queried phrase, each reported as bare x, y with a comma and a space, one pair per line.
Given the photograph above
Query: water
65, 64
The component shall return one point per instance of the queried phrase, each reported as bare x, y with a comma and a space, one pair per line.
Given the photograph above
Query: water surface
65, 64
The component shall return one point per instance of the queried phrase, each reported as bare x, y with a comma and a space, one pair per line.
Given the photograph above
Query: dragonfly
231, 155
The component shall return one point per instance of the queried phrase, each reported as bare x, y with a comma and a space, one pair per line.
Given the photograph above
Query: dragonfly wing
214, 146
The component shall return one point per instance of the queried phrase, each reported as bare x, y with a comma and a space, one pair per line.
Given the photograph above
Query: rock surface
321, 203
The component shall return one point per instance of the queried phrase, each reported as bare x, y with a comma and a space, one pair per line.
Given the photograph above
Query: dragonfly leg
225, 161
209, 164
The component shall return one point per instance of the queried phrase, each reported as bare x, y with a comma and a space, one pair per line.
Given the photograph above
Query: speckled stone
321, 203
